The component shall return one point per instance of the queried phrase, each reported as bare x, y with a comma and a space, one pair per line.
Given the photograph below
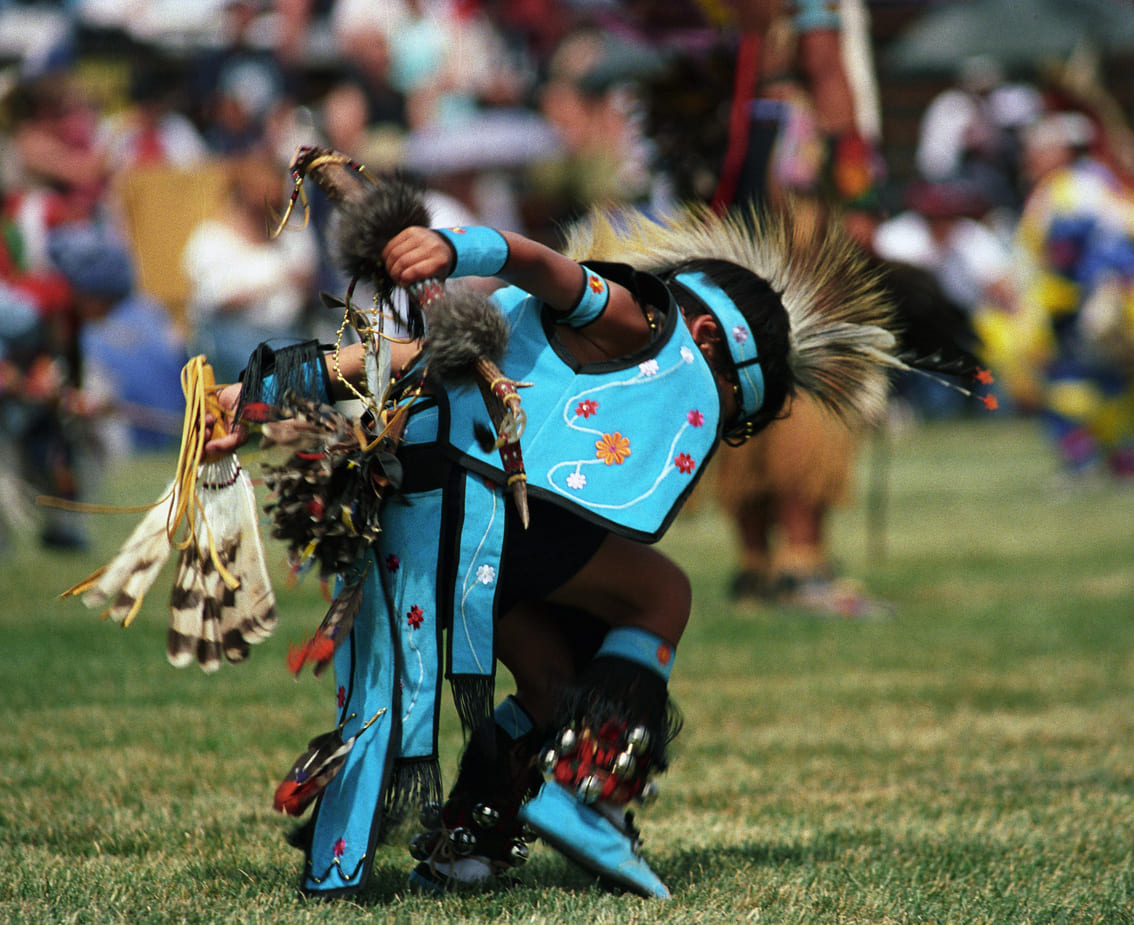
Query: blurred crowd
143, 154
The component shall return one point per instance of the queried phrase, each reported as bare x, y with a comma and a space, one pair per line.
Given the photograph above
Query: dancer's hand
226, 434
415, 254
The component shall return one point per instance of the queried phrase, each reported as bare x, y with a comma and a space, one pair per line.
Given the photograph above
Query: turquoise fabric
664, 403
621, 443
347, 820
390, 663
478, 568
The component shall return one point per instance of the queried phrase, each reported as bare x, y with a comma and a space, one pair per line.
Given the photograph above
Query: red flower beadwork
586, 408
339, 848
684, 463
342, 695
415, 617
695, 418
392, 563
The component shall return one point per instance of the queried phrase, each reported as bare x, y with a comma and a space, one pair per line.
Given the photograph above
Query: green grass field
969, 761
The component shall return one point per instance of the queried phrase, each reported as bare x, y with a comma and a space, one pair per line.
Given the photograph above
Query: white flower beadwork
686, 355
576, 480
740, 334
486, 574
648, 368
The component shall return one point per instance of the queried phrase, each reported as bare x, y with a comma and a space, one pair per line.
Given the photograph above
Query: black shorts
536, 561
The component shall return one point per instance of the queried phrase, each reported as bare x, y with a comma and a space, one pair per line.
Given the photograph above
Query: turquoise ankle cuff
640, 647
512, 718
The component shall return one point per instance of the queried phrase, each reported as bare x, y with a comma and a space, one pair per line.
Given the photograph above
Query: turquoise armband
479, 251
591, 303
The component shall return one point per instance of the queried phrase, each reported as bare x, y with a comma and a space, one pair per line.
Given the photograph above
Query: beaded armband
590, 304
479, 251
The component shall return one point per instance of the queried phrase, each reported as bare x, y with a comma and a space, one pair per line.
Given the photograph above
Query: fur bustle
369, 221
464, 326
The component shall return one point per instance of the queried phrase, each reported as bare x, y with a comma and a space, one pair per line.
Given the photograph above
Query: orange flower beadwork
612, 449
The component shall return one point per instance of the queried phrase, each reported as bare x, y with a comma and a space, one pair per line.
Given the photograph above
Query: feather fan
222, 600
122, 584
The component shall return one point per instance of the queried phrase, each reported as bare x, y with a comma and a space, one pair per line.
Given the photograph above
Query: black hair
768, 320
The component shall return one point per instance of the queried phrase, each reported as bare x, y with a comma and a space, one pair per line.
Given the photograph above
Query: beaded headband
737, 334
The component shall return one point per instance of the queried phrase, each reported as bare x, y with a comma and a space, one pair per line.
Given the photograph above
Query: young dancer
669, 337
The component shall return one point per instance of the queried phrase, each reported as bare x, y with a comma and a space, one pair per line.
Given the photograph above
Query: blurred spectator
130, 353
245, 285
52, 168
445, 59
1073, 329
942, 230
809, 133
942, 233
363, 38
235, 87
153, 129
591, 99
21, 347
972, 131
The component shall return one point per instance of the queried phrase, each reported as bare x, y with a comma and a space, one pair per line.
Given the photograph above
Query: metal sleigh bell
518, 852
463, 841
590, 788
568, 741
638, 740
625, 765
549, 760
485, 816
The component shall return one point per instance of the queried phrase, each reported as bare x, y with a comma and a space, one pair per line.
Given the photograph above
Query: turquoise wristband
591, 304
479, 251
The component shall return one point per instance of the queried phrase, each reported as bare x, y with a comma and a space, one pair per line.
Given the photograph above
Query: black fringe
413, 783
291, 366
472, 696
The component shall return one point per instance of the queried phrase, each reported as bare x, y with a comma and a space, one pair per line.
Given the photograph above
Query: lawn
969, 761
